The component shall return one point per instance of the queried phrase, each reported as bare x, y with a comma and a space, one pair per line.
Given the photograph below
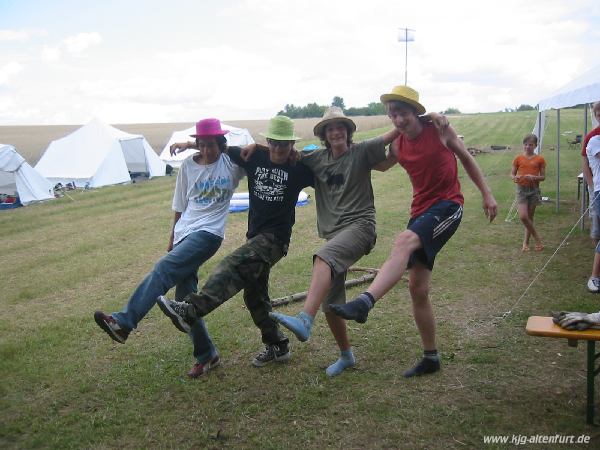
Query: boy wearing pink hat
429, 156
205, 183
273, 185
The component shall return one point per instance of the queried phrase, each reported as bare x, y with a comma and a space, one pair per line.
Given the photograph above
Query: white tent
584, 89
236, 136
97, 155
581, 90
16, 175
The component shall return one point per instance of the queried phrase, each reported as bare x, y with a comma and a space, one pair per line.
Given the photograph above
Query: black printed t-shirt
273, 190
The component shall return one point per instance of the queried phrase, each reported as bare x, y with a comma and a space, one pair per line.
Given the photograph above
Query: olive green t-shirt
343, 189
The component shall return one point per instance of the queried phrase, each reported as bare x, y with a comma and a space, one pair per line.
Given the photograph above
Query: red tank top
431, 167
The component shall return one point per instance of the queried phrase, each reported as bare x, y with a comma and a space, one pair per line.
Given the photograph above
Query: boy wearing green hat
273, 185
429, 156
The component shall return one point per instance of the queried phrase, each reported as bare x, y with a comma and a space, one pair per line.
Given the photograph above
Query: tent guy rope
509, 312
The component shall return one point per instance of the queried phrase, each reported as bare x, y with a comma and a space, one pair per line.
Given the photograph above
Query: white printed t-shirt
202, 194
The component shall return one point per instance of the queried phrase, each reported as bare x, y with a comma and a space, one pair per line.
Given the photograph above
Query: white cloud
14, 35
50, 54
250, 59
79, 43
9, 71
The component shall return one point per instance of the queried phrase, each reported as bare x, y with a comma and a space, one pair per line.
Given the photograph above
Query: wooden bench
543, 326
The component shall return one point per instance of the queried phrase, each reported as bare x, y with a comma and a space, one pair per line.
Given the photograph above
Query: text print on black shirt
270, 183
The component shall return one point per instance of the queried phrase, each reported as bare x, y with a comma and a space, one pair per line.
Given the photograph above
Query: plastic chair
575, 142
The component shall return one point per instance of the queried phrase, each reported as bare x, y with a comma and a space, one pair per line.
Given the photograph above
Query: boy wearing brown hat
205, 183
429, 157
274, 185
345, 218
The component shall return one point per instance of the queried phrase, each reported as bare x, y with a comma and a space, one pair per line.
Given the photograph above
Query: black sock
431, 354
370, 297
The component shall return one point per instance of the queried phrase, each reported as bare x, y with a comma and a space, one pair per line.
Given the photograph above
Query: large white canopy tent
584, 89
236, 136
16, 175
98, 154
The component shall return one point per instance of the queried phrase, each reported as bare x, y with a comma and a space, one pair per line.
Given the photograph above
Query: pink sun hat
209, 127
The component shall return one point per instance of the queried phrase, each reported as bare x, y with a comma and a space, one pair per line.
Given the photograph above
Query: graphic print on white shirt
202, 194
212, 190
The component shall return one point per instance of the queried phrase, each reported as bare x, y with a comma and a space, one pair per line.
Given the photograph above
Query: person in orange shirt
527, 171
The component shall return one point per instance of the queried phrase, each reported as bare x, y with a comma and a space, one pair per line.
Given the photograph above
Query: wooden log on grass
349, 283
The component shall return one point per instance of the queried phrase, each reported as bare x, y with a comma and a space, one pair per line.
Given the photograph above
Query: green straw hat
281, 128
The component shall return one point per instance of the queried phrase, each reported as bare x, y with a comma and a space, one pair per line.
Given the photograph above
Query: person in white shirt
205, 183
593, 155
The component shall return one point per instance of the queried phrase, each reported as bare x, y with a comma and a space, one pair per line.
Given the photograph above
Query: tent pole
405, 56
539, 131
557, 159
585, 114
584, 190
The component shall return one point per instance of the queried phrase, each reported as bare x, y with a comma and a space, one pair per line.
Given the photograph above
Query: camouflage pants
246, 268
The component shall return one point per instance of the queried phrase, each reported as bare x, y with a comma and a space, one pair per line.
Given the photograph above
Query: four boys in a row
341, 176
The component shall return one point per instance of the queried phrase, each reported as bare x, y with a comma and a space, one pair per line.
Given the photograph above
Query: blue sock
300, 325
345, 361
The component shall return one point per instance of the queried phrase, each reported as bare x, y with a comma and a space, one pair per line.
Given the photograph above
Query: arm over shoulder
235, 155
373, 151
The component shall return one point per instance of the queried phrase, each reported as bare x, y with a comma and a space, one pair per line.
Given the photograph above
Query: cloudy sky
130, 61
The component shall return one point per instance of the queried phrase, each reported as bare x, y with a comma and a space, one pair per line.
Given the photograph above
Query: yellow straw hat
404, 94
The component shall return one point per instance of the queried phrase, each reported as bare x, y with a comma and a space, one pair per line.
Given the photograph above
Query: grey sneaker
279, 352
593, 285
111, 327
177, 312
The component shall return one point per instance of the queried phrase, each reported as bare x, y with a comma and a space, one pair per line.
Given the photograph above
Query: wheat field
32, 140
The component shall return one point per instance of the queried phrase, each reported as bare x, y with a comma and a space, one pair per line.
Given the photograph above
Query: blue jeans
596, 206
177, 268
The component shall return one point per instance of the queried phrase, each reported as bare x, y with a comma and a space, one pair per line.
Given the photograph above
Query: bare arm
440, 121
450, 139
388, 163
172, 236
180, 146
513, 173
587, 172
542, 175
249, 150
390, 136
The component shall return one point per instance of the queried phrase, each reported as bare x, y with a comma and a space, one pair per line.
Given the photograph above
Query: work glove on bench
576, 320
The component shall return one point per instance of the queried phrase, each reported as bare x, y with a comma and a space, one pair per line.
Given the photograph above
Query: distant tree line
315, 110
520, 108
372, 109
451, 111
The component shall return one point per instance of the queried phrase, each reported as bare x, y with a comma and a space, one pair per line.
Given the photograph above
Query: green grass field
65, 384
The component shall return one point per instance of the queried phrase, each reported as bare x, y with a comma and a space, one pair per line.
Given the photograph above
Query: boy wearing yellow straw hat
345, 218
429, 157
273, 185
